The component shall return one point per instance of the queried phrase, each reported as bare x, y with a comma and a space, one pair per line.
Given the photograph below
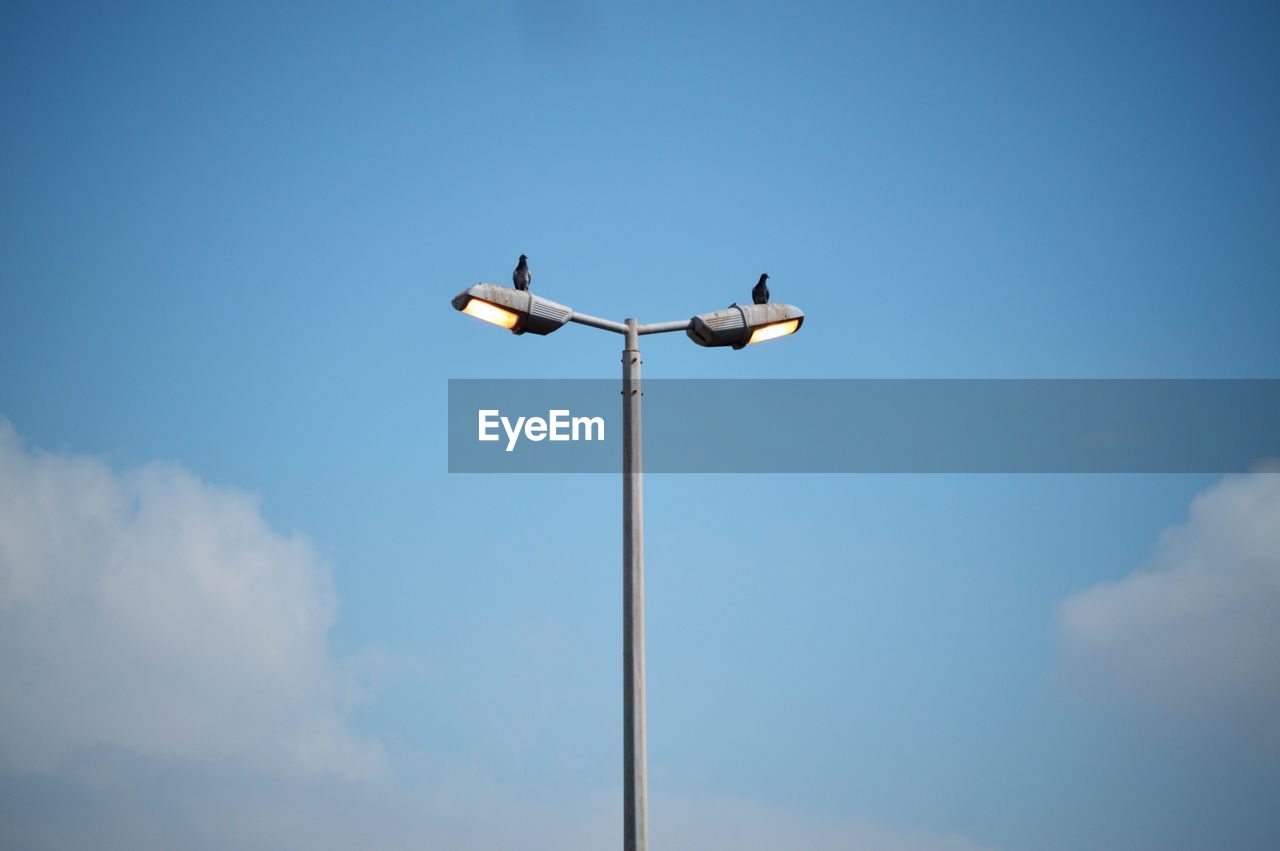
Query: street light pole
738, 325
635, 764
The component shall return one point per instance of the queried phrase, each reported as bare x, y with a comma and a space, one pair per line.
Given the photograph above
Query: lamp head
743, 324
518, 310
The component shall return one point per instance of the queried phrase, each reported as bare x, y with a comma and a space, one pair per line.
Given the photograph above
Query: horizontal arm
620, 328
597, 322
664, 327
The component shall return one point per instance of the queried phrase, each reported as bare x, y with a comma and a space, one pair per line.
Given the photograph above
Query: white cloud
164, 684
150, 612
1192, 636
737, 824
108, 801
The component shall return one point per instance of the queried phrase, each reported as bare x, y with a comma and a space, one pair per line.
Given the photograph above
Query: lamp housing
519, 310
739, 325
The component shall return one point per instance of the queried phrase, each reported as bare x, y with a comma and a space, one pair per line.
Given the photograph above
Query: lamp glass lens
492, 313
773, 331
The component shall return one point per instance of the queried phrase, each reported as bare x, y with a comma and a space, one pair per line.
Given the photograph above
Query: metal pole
635, 835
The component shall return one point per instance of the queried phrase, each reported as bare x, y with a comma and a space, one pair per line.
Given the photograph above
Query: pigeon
760, 292
522, 277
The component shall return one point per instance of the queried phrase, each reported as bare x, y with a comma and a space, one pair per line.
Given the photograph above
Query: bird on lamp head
522, 277
760, 292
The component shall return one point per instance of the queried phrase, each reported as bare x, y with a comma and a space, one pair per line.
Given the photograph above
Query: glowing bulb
770, 332
491, 313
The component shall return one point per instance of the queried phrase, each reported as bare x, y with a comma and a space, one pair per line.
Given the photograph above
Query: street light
519, 310
741, 325
737, 326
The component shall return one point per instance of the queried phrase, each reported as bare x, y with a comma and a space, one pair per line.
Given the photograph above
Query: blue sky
229, 236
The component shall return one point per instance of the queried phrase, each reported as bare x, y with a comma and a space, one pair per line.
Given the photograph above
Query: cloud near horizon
1191, 636
149, 612
164, 683
112, 801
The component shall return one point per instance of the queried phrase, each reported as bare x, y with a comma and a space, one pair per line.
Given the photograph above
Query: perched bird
522, 277
760, 292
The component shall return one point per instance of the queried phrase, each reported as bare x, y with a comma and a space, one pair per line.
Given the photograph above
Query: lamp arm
620, 328
663, 327
597, 322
